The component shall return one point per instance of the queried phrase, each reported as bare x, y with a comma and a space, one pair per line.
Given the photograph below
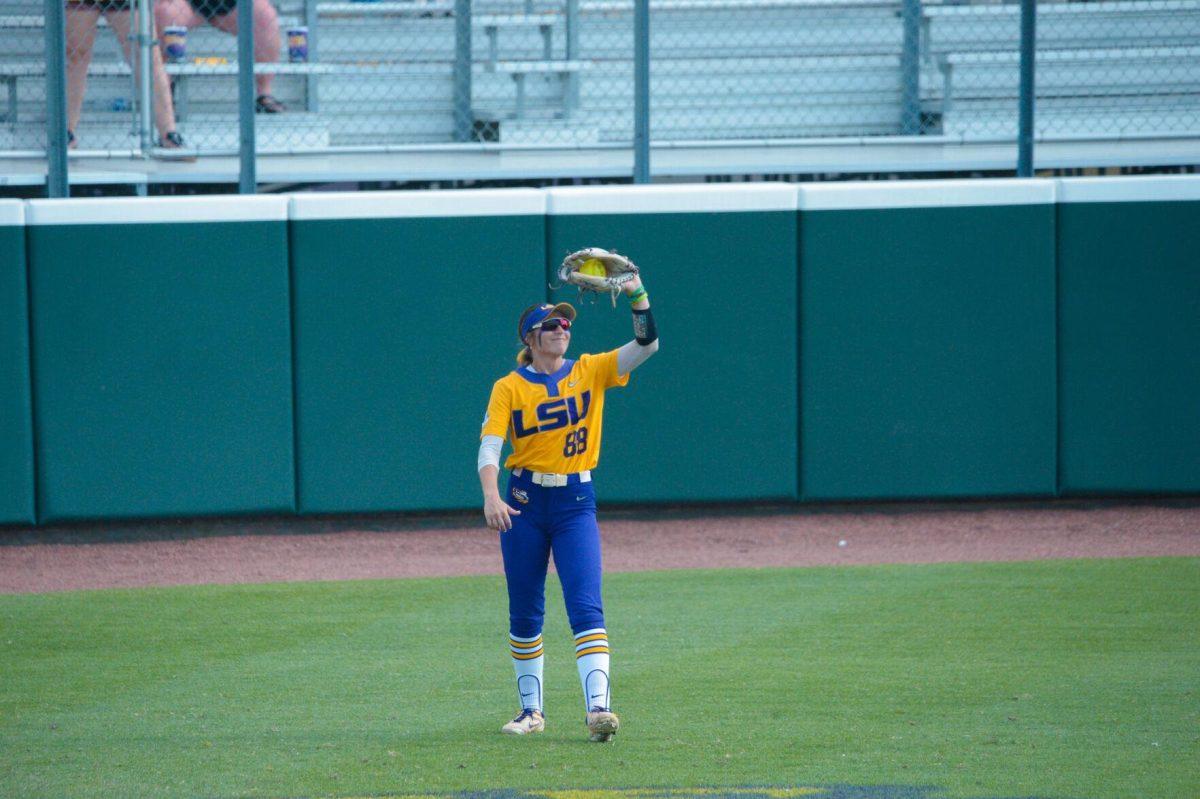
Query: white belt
548, 480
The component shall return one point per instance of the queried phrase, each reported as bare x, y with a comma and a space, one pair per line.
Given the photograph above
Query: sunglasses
553, 324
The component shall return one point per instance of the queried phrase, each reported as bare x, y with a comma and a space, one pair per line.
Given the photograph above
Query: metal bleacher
383, 76
1108, 69
782, 69
1084, 92
21, 42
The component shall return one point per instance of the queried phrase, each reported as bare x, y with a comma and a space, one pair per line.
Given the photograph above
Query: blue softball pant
559, 520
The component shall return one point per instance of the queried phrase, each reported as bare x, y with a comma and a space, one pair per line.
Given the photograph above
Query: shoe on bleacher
267, 104
173, 140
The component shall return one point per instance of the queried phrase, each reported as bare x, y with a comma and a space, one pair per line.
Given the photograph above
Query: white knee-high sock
527, 662
591, 656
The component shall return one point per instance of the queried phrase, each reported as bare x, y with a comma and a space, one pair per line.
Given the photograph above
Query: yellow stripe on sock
596, 637
523, 644
594, 650
527, 656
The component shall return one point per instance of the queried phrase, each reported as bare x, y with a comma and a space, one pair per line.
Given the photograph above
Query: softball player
553, 408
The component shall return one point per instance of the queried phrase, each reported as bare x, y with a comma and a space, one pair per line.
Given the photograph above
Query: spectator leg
81, 36
164, 110
176, 13
267, 41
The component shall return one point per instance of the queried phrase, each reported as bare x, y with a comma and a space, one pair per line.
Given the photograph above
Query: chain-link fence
970, 63
22, 69
378, 75
1118, 69
1110, 68
393, 74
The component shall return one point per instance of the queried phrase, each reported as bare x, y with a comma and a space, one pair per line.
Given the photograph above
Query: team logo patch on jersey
520, 496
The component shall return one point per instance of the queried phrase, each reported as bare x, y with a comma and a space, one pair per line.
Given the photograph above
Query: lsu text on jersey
554, 421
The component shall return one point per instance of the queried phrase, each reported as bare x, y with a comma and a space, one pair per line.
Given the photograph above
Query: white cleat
603, 724
528, 722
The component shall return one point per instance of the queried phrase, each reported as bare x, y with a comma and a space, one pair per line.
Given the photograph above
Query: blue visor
536, 316
544, 312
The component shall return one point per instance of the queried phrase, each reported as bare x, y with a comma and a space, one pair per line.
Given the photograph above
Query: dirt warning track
271, 550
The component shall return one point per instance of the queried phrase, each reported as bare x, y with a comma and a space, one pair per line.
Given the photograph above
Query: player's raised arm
645, 341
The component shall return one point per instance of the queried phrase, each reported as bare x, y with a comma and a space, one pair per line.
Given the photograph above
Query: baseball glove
597, 270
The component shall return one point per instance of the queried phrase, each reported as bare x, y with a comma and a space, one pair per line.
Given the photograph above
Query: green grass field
1055, 679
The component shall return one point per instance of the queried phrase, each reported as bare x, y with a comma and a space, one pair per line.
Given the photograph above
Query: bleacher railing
380, 76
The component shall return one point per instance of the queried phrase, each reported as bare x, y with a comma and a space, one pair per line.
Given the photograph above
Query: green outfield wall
334, 353
406, 308
712, 416
927, 357
1129, 335
16, 425
161, 356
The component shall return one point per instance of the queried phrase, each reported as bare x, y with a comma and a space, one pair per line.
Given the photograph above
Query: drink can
175, 42
297, 39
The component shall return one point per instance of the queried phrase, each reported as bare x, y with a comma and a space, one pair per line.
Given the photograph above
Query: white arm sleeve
489, 451
632, 355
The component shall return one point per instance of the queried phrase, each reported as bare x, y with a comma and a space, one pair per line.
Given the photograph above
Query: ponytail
525, 356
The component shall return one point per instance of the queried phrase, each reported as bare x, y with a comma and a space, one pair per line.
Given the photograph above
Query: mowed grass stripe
1056, 678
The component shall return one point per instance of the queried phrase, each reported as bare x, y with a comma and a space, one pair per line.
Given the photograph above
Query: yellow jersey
554, 421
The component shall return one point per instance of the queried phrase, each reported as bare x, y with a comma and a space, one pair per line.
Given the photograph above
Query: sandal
173, 140
71, 143
267, 104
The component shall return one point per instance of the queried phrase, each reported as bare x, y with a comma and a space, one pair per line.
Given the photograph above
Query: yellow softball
593, 266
